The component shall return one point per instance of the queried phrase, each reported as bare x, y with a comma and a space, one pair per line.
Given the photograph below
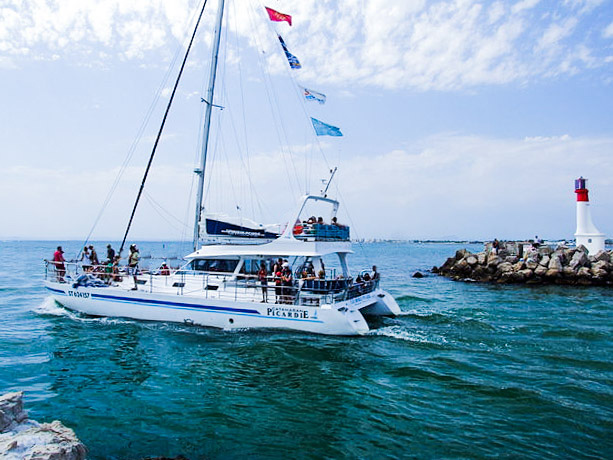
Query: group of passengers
107, 271
283, 279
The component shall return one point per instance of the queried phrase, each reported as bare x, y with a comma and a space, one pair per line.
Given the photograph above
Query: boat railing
321, 232
307, 292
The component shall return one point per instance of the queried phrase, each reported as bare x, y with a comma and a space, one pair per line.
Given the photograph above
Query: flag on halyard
311, 95
278, 17
324, 129
293, 60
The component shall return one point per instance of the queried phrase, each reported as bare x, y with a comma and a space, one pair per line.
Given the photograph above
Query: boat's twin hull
343, 318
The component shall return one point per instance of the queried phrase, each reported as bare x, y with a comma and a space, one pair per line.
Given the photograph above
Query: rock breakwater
514, 263
21, 438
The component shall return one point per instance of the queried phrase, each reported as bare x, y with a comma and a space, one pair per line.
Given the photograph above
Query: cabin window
215, 265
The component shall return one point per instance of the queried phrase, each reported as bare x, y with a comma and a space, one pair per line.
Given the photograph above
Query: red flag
278, 17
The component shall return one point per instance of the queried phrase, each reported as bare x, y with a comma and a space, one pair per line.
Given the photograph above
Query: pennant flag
293, 60
278, 17
311, 95
323, 129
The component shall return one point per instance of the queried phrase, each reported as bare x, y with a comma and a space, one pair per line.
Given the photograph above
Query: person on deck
164, 269
110, 253
375, 274
93, 258
133, 259
58, 261
263, 279
288, 282
85, 262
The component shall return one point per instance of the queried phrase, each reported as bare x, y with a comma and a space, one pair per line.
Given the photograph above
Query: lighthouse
587, 234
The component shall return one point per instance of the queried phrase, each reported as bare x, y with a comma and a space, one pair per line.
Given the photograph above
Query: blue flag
323, 129
311, 95
293, 60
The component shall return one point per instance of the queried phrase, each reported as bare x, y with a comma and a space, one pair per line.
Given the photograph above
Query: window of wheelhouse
214, 265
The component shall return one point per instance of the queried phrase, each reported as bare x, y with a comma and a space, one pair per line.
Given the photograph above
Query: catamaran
221, 283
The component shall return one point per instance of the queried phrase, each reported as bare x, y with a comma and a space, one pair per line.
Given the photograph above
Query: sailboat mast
207, 122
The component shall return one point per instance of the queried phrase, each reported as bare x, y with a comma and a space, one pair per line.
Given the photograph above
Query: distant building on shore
586, 234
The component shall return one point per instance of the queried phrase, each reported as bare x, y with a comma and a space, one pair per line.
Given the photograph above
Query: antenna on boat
157, 139
324, 192
207, 122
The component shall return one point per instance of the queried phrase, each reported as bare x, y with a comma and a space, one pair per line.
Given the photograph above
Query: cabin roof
283, 246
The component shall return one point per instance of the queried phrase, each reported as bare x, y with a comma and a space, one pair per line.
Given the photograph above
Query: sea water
468, 370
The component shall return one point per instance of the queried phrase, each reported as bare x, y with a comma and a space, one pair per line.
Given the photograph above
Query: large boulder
545, 261
584, 272
601, 265
598, 273
540, 270
493, 260
578, 260
601, 256
481, 258
545, 251
461, 253
471, 260
511, 259
11, 411
21, 438
552, 273
531, 265
505, 267
518, 266
555, 263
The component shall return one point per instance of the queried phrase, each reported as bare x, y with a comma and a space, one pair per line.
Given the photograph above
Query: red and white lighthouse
587, 234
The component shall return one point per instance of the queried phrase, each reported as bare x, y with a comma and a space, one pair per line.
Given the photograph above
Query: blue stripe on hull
187, 306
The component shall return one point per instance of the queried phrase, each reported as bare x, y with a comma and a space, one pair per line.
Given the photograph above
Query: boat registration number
81, 295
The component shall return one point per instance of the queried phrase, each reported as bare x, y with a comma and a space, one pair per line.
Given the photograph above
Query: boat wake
400, 333
51, 307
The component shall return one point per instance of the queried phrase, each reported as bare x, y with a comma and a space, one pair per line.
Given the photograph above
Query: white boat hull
340, 318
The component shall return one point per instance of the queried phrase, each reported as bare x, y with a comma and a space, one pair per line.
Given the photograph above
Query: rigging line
245, 166
154, 206
153, 201
137, 138
242, 92
163, 213
276, 114
157, 140
301, 99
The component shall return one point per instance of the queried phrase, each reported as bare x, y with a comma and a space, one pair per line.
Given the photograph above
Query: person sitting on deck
164, 269
320, 220
335, 221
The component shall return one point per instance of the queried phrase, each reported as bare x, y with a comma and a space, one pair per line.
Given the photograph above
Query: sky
461, 119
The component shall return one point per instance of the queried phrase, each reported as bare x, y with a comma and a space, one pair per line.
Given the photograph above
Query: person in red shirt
58, 260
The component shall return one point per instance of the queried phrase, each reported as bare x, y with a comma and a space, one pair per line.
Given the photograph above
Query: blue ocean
468, 371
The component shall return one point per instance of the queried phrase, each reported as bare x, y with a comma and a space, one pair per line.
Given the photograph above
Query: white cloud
443, 45
448, 185
608, 32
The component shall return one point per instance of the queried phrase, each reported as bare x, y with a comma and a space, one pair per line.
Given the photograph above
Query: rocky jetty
22, 438
515, 263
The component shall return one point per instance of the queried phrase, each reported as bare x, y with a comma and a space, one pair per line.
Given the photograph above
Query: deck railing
307, 292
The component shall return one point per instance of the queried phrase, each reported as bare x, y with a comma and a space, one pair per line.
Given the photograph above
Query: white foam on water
51, 307
400, 333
